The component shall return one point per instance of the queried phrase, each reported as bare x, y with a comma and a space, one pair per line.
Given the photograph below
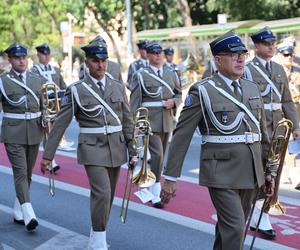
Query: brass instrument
277, 151
143, 177
51, 106
189, 71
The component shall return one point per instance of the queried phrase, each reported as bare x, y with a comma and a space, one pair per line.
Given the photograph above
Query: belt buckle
249, 138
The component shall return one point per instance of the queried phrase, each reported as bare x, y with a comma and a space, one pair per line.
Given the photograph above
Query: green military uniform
106, 129
101, 150
234, 166
231, 163
21, 130
150, 91
273, 84
50, 73
139, 63
276, 107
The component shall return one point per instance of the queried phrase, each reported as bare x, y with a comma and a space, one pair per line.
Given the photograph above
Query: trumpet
51, 106
143, 177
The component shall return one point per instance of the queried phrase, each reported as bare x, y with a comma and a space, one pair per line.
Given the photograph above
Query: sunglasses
287, 55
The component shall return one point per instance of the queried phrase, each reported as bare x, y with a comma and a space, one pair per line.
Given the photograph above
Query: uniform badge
224, 116
66, 99
188, 101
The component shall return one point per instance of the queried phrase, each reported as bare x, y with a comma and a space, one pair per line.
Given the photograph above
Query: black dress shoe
158, 205
32, 225
298, 186
20, 222
269, 234
55, 168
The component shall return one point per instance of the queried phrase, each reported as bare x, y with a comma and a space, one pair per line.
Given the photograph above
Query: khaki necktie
236, 90
158, 73
21, 77
268, 67
101, 87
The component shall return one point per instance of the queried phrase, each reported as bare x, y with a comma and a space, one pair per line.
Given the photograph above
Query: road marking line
154, 212
65, 239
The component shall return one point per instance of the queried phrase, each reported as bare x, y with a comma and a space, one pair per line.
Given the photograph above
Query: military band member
43, 68
228, 110
169, 56
142, 62
21, 130
292, 70
273, 84
158, 90
100, 106
52, 74
113, 69
210, 69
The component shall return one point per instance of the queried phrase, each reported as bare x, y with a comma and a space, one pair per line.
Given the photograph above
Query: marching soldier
158, 90
210, 69
100, 106
169, 56
46, 70
113, 69
142, 62
21, 130
228, 110
273, 84
52, 74
292, 70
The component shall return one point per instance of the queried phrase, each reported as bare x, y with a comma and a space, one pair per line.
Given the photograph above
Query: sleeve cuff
170, 178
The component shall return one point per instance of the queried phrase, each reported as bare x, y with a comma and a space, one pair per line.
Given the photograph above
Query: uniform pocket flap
90, 140
255, 104
218, 107
116, 98
220, 155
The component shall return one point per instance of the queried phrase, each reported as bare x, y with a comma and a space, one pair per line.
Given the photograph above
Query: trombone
51, 107
144, 177
276, 155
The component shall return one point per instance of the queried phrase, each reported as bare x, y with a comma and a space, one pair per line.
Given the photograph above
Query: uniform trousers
103, 181
233, 207
22, 158
158, 143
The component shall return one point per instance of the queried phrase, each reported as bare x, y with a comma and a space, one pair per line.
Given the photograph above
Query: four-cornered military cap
264, 35
229, 42
169, 51
286, 49
16, 49
96, 50
44, 49
98, 39
153, 48
142, 44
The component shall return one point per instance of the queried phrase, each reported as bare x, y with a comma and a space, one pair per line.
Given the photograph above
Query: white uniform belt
247, 138
101, 130
272, 106
153, 104
25, 116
